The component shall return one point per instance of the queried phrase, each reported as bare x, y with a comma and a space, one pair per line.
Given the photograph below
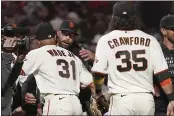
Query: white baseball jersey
129, 58
56, 70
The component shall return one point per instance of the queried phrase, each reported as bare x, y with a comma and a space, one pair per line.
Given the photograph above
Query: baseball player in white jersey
58, 74
130, 57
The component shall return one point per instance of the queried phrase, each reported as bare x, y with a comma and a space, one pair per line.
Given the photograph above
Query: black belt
66, 94
125, 94
138, 92
149, 93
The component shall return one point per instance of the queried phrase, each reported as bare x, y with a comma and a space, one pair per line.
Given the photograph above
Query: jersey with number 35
56, 70
130, 58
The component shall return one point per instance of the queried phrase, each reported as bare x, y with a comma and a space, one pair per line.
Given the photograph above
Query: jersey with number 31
56, 70
130, 58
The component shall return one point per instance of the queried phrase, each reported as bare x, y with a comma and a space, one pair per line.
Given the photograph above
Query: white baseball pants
62, 105
132, 104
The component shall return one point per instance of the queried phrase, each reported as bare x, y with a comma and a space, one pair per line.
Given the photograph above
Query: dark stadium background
93, 17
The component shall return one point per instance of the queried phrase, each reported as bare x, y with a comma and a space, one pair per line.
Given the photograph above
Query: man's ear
58, 33
57, 39
38, 43
163, 31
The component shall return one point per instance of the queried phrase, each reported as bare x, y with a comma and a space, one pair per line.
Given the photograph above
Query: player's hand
170, 109
39, 109
18, 112
30, 98
39, 112
21, 55
87, 54
94, 107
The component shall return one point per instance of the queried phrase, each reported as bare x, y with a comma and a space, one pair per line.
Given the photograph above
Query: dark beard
73, 45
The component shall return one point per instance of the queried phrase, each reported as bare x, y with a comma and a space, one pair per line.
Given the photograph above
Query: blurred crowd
93, 17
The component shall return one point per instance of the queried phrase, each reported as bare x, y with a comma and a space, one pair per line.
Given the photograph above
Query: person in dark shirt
167, 45
8, 75
18, 100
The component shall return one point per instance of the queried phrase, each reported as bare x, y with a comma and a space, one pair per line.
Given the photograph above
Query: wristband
39, 106
170, 96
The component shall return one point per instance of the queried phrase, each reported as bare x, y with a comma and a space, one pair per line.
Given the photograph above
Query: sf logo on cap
13, 25
71, 24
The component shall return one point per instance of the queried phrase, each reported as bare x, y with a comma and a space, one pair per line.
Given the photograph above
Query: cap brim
70, 31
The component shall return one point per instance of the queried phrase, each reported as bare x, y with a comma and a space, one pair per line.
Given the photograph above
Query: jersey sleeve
31, 63
86, 77
101, 59
159, 63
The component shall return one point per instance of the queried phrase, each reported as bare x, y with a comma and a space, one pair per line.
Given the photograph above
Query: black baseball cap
44, 31
69, 25
122, 8
167, 22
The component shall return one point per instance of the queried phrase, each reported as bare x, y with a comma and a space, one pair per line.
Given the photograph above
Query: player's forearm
92, 88
98, 85
167, 87
98, 82
165, 81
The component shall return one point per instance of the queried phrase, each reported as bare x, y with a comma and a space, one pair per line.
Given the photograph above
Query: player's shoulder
42, 49
110, 35
61, 48
33, 51
105, 37
146, 35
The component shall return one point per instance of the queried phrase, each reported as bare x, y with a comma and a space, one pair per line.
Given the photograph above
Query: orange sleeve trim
166, 82
161, 72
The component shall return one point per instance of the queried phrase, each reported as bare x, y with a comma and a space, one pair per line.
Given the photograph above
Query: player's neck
47, 42
168, 44
47, 45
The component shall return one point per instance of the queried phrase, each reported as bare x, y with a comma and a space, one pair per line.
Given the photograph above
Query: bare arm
168, 89
167, 86
165, 81
98, 82
92, 88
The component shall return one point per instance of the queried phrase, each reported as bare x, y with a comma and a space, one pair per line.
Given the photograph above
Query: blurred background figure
93, 17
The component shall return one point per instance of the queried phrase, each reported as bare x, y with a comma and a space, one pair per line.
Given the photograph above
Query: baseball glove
99, 106
94, 107
103, 105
